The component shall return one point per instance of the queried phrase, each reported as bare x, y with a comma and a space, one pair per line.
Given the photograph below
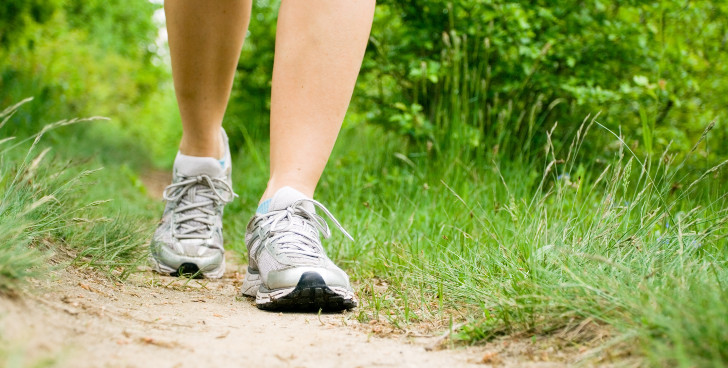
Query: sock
283, 198
263, 207
212, 166
192, 165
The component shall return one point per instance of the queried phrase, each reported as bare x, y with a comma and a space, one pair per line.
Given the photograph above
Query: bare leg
205, 38
319, 49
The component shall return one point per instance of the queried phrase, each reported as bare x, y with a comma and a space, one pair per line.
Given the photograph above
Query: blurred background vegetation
88, 58
467, 116
481, 75
505, 71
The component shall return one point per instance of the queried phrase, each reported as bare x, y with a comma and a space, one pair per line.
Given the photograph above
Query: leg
205, 38
319, 49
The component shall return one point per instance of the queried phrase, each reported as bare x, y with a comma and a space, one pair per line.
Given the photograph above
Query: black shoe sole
310, 295
188, 270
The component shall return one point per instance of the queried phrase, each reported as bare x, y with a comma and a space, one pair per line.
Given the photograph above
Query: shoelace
194, 221
294, 241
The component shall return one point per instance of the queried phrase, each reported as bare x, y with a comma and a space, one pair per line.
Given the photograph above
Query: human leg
205, 39
319, 48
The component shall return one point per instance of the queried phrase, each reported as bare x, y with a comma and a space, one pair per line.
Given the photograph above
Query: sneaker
188, 239
288, 267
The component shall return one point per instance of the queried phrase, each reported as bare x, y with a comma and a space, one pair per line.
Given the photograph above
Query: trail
86, 320
83, 319
78, 318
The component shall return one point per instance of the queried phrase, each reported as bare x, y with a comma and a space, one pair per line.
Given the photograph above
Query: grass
498, 243
454, 237
46, 211
635, 246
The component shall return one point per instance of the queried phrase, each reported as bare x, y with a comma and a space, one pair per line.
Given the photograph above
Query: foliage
643, 63
509, 70
16, 16
249, 106
89, 58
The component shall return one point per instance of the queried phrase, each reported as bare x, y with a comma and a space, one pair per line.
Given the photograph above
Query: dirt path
86, 320
81, 319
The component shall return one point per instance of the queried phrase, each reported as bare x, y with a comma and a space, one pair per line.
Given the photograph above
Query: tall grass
630, 240
45, 213
636, 246
544, 239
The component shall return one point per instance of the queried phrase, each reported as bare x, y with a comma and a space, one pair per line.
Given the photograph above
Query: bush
507, 69
83, 59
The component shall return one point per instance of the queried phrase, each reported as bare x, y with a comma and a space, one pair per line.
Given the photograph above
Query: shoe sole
188, 269
251, 283
309, 295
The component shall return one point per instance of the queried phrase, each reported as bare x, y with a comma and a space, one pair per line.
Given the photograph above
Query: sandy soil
85, 320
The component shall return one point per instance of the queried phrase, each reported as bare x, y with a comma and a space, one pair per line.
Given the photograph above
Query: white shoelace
288, 230
197, 197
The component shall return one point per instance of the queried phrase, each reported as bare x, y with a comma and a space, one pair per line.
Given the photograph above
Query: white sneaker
288, 267
189, 239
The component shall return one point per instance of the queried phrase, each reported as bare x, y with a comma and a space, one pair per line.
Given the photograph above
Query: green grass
50, 208
480, 240
633, 245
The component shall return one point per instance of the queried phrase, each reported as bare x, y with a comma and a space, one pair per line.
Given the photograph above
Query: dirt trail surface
89, 321
83, 319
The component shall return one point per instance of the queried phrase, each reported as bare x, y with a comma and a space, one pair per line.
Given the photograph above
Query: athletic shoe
288, 267
188, 239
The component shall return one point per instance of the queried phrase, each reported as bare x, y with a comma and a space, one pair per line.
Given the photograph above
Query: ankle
203, 146
273, 187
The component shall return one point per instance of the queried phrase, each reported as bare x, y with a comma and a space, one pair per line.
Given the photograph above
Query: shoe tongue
192, 166
285, 197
